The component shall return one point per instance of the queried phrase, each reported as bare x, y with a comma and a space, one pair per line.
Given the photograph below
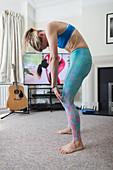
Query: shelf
43, 95
45, 107
48, 95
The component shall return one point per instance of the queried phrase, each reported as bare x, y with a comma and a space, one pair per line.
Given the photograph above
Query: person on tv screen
45, 64
65, 36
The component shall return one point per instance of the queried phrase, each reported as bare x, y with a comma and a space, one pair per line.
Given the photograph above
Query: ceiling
40, 3
15, 5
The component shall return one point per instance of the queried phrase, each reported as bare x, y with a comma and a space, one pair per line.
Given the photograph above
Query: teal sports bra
65, 36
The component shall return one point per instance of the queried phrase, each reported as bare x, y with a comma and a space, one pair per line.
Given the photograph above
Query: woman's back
75, 41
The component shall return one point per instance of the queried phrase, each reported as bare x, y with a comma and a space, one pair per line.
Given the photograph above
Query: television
31, 62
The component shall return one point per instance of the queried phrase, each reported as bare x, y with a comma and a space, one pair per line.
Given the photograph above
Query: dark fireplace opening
105, 89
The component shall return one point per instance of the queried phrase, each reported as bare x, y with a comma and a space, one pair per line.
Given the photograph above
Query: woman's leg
80, 65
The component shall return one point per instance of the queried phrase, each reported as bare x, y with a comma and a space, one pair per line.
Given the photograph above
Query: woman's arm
51, 33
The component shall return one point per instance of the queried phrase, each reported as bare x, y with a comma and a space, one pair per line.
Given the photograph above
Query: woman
45, 64
66, 36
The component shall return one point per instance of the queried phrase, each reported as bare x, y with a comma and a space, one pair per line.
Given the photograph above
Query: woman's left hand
57, 93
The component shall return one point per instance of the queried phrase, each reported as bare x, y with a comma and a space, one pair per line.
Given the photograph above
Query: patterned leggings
80, 66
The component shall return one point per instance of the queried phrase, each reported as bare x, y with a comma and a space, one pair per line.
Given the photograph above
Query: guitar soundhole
21, 94
16, 91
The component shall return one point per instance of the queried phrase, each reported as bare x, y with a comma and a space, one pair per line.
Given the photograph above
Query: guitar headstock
15, 79
13, 66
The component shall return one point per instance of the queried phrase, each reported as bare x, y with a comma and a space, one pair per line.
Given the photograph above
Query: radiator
4, 95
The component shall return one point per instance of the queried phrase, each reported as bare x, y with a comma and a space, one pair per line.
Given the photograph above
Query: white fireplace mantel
90, 84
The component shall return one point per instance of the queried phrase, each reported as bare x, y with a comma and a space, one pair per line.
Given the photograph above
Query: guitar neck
15, 79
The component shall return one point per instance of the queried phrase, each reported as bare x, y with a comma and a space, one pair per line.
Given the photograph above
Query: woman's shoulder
56, 24
51, 24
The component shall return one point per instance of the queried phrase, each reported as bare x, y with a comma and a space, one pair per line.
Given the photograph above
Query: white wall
58, 11
28, 11
94, 28
29, 14
12, 5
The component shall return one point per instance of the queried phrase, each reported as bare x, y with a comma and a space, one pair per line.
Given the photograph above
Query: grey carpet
30, 142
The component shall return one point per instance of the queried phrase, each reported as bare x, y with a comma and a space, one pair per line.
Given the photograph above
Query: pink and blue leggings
80, 66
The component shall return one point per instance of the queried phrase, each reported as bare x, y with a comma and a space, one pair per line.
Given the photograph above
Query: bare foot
73, 146
65, 131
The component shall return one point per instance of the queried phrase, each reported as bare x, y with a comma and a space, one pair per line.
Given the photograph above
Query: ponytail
39, 70
43, 64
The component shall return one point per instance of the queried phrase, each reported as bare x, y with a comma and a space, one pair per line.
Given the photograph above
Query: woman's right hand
57, 93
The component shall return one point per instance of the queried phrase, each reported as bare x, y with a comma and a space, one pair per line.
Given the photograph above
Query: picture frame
109, 28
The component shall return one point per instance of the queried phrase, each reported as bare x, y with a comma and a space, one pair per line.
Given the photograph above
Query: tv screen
35, 62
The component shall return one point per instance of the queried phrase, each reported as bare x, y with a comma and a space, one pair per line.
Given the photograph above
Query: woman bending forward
66, 36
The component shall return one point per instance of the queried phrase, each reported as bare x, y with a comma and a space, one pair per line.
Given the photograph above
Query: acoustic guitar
17, 99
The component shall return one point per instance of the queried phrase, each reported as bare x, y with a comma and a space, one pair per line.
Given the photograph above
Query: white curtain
11, 45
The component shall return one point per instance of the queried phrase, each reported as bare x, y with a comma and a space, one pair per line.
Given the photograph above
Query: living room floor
30, 142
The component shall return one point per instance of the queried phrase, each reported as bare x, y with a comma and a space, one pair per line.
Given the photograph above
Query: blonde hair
31, 37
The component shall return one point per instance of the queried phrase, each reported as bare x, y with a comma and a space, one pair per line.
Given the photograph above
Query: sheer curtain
10, 53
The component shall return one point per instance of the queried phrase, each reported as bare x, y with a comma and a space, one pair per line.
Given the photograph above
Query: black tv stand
42, 99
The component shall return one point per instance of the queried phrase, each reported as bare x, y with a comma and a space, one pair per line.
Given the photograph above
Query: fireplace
95, 86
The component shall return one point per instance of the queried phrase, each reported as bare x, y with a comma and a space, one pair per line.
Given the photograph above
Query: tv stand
43, 98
